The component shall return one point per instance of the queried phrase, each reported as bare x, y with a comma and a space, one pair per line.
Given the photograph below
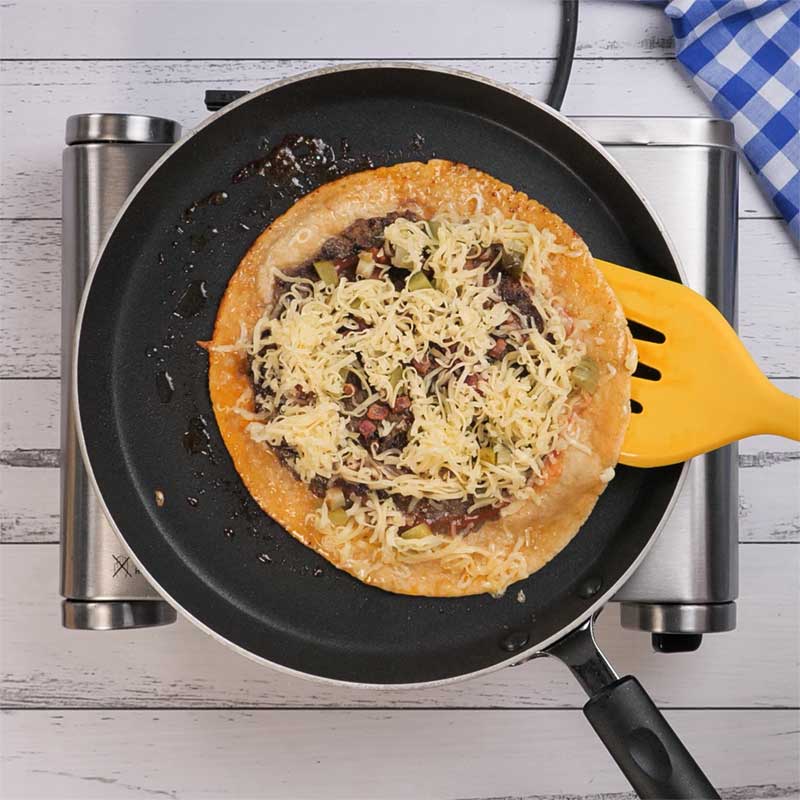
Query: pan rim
534, 650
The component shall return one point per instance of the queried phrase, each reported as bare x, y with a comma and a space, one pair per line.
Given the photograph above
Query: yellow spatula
705, 391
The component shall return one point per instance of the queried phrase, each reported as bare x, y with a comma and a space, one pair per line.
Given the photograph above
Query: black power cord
566, 53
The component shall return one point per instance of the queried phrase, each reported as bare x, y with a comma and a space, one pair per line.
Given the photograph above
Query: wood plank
769, 474
769, 280
772, 336
769, 506
45, 665
753, 204
29, 415
769, 477
370, 754
340, 29
30, 298
29, 504
31, 138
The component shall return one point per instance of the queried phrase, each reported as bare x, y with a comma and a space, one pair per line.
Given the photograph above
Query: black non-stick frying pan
148, 429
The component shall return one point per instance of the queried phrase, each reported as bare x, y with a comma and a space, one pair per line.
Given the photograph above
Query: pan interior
142, 380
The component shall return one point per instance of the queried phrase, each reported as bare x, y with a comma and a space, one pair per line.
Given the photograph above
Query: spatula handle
780, 414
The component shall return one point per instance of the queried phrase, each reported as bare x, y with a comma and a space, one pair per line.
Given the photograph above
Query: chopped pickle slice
402, 258
487, 455
419, 280
334, 498
417, 532
327, 272
586, 374
395, 376
512, 263
338, 517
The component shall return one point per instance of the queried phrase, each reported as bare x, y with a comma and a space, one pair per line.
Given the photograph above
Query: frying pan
153, 451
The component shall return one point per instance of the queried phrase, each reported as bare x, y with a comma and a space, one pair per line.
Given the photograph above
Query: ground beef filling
442, 516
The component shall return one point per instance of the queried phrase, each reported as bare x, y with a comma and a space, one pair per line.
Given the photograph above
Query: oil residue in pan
192, 300
300, 163
165, 386
213, 199
294, 156
195, 437
196, 442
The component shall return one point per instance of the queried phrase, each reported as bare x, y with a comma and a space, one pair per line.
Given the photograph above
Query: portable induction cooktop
686, 167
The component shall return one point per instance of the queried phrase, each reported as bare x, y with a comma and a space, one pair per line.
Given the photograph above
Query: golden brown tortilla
429, 189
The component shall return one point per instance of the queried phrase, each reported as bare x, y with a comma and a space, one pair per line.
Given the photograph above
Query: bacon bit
378, 411
472, 380
348, 390
498, 349
380, 256
512, 321
345, 263
403, 403
303, 398
366, 428
422, 367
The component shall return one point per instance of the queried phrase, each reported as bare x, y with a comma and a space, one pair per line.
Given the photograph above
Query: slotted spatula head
697, 389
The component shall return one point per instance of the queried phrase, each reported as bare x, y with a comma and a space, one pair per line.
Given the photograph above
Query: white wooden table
170, 713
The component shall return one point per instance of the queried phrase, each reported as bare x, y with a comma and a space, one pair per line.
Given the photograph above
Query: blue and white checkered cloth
745, 57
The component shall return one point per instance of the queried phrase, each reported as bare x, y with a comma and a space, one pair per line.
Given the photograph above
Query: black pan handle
644, 745
634, 731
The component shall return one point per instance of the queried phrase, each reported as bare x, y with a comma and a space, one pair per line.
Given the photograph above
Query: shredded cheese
518, 406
